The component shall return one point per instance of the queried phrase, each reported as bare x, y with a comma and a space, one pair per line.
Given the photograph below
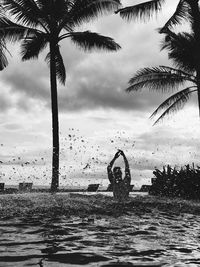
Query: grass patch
46, 204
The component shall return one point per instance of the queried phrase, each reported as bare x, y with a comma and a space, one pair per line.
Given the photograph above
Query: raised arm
113, 160
110, 165
125, 159
127, 169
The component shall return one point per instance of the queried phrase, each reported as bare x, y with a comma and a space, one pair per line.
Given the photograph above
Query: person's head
117, 173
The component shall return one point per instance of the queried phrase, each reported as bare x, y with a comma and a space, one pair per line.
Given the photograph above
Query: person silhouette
120, 187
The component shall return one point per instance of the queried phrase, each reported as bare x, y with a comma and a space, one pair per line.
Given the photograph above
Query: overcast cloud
95, 79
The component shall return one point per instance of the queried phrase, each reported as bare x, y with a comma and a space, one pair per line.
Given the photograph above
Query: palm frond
61, 8
181, 13
183, 49
2, 10
33, 45
60, 67
11, 31
142, 11
174, 103
47, 9
86, 10
25, 11
91, 41
170, 100
3, 58
160, 78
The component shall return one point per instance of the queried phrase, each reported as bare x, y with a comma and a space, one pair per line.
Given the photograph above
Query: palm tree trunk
194, 5
55, 122
198, 89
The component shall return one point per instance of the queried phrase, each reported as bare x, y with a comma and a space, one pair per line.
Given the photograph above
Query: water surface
134, 239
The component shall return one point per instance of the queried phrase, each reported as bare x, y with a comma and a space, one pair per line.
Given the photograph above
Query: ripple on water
153, 239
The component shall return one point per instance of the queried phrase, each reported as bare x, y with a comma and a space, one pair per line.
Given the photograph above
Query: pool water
135, 239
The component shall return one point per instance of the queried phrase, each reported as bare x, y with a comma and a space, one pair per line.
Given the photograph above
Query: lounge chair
92, 187
2, 186
25, 187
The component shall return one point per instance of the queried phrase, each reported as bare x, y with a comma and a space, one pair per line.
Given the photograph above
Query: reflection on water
148, 239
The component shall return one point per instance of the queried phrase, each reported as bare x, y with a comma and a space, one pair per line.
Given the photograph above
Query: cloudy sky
96, 115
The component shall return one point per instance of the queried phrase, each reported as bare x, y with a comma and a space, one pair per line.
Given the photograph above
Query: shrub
174, 182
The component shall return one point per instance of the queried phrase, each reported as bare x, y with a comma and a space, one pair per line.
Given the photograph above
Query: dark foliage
174, 182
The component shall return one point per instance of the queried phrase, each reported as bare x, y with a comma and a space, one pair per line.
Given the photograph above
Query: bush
174, 182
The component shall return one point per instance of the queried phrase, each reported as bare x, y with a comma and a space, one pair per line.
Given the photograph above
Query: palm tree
40, 23
183, 50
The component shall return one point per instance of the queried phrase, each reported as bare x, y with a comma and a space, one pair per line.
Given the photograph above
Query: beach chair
92, 187
25, 187
2, 186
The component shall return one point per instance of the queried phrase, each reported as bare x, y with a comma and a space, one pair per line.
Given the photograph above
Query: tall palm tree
41, 23
183, 50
